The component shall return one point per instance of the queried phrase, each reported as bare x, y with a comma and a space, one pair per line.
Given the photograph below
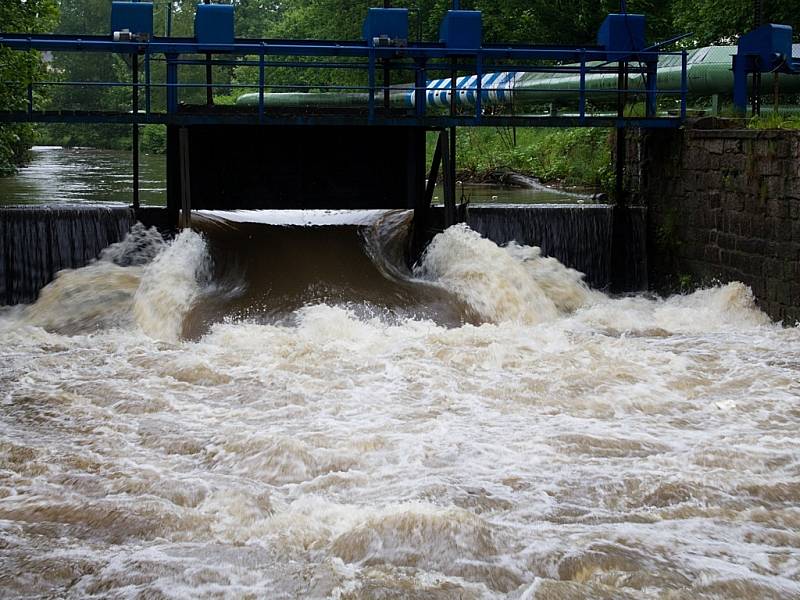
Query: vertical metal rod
209, 87
582, 98
420, 88
371, 78
386, 83
30, 99
172, 83
651, 95
758, 12
261, 84
619, 168
757, 90
446, 141
453, 76
479, 87
619, 163
169, 18
684, 83
147, 83
135, 128
776, 90
186, 197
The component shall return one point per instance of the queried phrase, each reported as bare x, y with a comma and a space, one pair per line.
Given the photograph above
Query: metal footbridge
458, 80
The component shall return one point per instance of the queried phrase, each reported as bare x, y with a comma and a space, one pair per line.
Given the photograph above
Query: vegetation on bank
16, 70
571, 157
775, 120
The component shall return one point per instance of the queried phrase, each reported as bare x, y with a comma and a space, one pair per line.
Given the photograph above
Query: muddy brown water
483, 427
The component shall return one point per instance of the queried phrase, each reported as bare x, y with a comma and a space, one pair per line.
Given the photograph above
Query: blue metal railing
464, 100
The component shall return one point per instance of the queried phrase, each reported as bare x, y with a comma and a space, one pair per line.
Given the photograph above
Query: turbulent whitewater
276, 410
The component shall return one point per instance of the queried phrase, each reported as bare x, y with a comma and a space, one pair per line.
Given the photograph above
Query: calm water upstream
87, 175
84, 176
266, 409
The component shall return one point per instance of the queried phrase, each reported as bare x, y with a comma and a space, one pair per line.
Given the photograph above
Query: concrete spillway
37, 242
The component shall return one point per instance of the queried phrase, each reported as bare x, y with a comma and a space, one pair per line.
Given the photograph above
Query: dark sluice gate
36, 243
300, 167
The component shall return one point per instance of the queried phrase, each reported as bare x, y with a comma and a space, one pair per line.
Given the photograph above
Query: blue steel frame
419, 58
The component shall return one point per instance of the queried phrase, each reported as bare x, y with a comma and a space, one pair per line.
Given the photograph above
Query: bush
153, 139
578, 156
15, 143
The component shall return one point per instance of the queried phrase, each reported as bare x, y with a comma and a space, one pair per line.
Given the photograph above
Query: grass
773, 120
579, 157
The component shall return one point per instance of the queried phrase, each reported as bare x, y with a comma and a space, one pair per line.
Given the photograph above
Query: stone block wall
723, 205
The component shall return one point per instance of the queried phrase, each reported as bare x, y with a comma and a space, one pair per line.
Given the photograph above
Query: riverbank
563, 158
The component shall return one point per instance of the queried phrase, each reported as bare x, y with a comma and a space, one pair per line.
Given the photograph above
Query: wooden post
434, 173
186, 197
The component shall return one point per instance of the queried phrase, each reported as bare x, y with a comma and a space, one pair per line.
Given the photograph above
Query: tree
714, 22
21, 68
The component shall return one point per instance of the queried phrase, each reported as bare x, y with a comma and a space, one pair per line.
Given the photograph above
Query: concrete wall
723, 204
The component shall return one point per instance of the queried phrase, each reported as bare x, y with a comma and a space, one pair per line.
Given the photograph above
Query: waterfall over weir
36, 243
604, 243
607, 244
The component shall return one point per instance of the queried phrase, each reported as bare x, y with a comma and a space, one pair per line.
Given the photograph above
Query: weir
374, 72
361, 142
37, 242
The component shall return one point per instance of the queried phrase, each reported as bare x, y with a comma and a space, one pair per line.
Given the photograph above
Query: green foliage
715, 22
17, 69
153, 139
580, 156
773, 120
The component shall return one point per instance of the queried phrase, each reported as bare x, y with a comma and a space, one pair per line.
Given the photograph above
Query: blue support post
30, 99
740, 84
420, 88
172, 83
652, 89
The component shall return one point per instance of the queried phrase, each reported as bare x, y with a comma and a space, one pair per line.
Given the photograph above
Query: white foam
297, 217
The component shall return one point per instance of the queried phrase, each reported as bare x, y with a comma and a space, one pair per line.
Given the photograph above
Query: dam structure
314, 379
361, 142
275, 137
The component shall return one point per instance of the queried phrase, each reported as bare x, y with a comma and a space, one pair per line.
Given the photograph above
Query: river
264, 409
59, 175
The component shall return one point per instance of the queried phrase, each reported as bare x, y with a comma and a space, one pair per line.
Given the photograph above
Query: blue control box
213, 24
771, 43
136, 17
462, 29
387, 23
622, 33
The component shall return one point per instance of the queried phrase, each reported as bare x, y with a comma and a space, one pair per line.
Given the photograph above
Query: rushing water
264, 410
